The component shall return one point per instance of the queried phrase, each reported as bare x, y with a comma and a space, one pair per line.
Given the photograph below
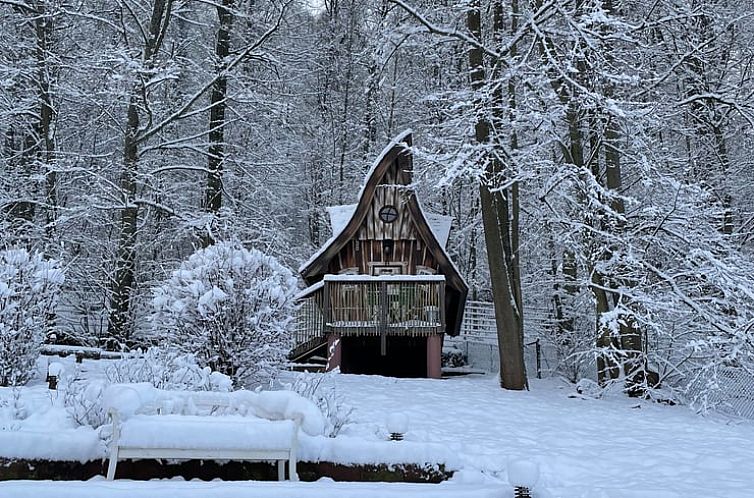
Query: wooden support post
384, 312
333, 352
434, 356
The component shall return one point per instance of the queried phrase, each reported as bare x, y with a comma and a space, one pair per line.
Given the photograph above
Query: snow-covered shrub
320, 389
232, 307
12, 409
453, 357
164, 369
29, 286
83, 400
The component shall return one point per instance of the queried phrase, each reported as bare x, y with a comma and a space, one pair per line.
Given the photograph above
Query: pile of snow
35, 426
233, 432
81, 444
350, 450
131, 399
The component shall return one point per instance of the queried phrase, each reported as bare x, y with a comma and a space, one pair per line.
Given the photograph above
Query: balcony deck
363, 305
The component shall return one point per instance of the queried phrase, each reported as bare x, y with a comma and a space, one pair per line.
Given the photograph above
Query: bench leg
292, 469
281, 470
112, 464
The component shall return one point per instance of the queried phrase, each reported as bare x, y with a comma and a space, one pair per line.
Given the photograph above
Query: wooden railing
364, 305
375, 305
309, 329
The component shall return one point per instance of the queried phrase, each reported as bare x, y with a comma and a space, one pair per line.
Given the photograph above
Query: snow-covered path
614, 447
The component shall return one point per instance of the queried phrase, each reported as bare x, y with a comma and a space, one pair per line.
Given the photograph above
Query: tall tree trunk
622, 353
344, 129
43, 24
218, 101
124, 281
499, 225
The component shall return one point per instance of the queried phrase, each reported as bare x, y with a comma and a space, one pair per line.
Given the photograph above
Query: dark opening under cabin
382, 290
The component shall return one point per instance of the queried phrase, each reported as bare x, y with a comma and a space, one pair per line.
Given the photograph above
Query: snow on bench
264, 426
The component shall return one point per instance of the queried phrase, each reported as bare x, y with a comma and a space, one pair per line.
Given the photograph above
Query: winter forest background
612, 139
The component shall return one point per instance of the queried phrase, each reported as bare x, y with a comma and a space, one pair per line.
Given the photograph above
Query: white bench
144, 427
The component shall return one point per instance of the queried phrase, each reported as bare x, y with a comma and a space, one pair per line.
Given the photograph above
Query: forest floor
612, 447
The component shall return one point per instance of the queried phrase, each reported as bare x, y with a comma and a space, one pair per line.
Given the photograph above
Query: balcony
363, 305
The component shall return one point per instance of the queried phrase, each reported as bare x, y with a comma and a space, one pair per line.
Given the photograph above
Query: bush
166, 370
232, 307
320, 389
29, 286
453, 357
162, 368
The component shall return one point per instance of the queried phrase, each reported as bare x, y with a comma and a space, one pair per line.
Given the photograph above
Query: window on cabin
388, 214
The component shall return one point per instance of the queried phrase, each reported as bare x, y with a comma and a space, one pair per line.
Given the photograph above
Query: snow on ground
610, 448
324, 488
613, 447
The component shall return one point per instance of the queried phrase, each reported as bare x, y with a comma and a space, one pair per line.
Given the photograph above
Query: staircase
310, 355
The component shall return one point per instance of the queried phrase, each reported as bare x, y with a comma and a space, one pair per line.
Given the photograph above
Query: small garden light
522, 475
397, 426
54, 370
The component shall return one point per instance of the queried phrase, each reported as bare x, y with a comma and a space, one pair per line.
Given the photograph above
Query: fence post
539, 358
384, 303
327, 318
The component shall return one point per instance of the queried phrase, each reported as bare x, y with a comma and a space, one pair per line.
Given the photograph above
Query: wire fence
728, 390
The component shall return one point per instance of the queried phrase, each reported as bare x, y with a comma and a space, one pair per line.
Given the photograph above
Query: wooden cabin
382, 290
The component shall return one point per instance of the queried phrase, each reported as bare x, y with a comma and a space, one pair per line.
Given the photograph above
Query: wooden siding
359, 253
385, 243
373, 228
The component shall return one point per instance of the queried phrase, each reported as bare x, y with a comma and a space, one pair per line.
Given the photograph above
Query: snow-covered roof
340, 216
309, 291
439, 223
393, 143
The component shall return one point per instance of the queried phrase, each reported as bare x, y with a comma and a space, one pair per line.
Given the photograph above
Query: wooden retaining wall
208, 470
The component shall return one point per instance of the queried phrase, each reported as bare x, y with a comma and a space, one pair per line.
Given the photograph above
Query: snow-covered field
612, 447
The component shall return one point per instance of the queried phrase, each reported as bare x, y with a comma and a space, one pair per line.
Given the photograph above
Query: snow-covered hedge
232, 307
166, 369
29, 286
161, 368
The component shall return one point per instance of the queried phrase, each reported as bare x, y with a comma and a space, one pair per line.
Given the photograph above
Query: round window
388, 214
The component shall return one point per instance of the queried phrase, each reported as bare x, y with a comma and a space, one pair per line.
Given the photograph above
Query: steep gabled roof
439, 223
400, 146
